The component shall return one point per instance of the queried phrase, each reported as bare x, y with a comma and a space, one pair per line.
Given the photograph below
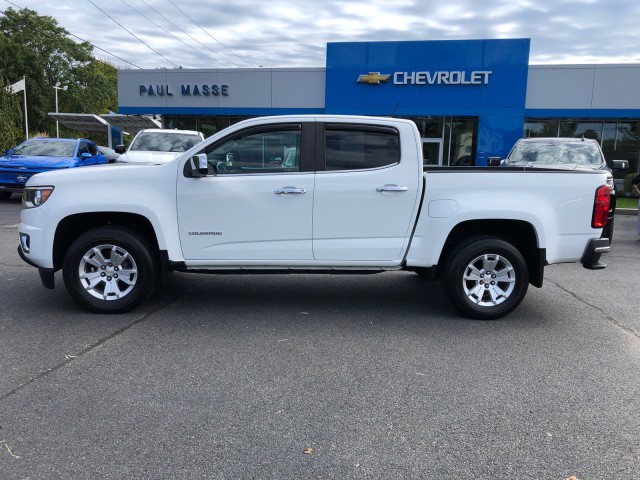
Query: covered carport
89, 123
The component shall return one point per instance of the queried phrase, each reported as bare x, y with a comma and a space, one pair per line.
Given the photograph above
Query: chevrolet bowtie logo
373, 78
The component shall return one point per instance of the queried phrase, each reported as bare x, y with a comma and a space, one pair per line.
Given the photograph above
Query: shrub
627, 183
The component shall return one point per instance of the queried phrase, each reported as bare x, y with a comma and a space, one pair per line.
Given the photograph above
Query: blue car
41, 155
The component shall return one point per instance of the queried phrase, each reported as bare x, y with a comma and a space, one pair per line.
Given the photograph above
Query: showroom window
618, 138
448, 140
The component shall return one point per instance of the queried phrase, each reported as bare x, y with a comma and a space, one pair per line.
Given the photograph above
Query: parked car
38, 155
110, 153
567, 154
157, 145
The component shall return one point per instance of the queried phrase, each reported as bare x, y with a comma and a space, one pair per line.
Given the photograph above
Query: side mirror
85, 155
199, 165
494, 161
119, 149
9, 152
619, 165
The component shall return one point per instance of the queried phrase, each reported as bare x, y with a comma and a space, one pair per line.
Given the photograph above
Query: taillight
601, 205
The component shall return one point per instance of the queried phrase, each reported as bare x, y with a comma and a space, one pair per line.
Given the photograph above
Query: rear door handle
290, 191
391, 188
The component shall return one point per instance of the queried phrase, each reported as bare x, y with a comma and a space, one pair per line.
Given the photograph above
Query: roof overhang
82, 122
90, 123
130, 123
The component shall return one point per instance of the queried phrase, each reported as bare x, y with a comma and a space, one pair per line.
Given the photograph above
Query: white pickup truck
311, 194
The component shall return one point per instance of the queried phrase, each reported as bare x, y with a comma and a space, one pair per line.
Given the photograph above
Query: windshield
164, 142
46, 149
568, 153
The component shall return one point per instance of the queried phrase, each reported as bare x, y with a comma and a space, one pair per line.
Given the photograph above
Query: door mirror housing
119, 149
85, 155
619, 165
494, 161
199, 165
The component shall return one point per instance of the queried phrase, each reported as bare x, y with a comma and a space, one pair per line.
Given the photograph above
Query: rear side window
350, 147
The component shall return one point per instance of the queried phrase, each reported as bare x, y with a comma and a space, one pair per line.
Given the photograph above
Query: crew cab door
256, 202
366, 194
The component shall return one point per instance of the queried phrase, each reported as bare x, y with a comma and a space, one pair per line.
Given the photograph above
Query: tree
11, 129
36, 46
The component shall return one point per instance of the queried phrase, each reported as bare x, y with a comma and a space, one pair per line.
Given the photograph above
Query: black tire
5, 195
121, 264
497, 278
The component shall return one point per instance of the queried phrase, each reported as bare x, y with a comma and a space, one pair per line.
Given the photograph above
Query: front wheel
110, 270
486, 278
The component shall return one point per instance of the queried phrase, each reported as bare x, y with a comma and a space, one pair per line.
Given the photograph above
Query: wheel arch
71, 227
521, 234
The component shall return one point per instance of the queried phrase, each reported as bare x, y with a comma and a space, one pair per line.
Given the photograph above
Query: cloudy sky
294, 33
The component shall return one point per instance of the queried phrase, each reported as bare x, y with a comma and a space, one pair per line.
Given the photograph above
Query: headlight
35, 196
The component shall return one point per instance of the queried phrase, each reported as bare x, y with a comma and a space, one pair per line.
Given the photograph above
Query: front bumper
46, 274
591, 257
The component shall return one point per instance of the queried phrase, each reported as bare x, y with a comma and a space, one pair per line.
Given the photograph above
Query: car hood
147, 157
559, 166
26, 161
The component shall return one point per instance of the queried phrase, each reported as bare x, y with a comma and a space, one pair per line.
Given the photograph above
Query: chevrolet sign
456, 77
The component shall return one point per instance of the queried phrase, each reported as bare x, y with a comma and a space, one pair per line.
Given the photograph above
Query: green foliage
37, 47
11, 129
627, 202
627, 183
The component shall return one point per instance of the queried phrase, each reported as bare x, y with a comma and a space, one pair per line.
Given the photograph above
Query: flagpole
26, 120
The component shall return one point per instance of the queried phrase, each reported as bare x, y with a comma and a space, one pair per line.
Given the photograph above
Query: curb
626, 211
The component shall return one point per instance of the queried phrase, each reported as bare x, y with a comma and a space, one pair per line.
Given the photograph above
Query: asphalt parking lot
322, 377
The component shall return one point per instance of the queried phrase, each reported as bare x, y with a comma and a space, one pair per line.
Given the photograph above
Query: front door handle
391, 188
290, 191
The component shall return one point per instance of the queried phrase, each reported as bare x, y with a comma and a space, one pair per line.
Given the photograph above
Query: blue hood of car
37, 162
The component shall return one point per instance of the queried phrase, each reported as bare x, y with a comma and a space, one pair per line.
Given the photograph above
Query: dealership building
470, 99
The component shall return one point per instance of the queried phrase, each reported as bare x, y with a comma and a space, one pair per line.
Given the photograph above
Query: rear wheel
486, 278
110, 270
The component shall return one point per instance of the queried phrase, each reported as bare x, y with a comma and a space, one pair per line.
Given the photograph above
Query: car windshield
567, 153
50, 148
164, 142
107, 151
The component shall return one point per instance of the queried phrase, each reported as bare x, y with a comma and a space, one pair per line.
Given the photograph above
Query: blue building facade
479, 79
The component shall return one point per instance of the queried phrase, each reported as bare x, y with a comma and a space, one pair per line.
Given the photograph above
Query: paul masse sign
186, 90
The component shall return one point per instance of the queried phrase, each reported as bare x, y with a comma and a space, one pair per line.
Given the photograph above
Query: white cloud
286, 33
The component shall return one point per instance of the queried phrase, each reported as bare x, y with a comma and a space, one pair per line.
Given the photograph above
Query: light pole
57, 87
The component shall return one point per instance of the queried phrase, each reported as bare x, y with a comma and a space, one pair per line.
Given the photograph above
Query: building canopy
99, 124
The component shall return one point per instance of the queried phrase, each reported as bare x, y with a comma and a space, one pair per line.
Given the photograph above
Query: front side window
358, 149
273, 151
83, 148
93, 149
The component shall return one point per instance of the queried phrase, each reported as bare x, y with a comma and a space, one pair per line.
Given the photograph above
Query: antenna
395, 108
